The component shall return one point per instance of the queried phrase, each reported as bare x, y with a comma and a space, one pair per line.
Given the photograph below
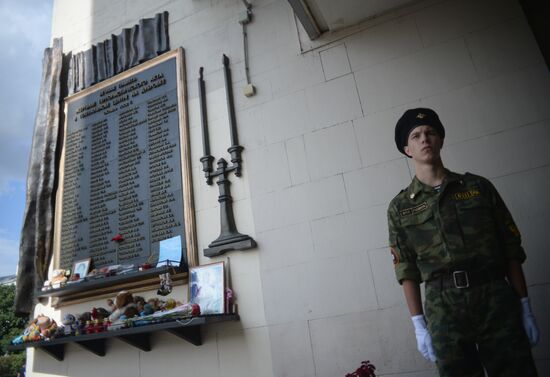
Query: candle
204, 118
230, 105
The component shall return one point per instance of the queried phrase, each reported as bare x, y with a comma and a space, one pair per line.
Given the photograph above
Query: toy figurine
69, 325
147, 310
140, 302
99, 313
58, 280
46, 326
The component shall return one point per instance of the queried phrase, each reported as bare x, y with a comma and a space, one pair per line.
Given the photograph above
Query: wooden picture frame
81, 267
207, 287
107, 244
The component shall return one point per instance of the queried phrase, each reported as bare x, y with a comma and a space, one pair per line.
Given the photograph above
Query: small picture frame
82, 267
207, 286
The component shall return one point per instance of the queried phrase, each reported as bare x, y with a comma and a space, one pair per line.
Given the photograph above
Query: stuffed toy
124, 305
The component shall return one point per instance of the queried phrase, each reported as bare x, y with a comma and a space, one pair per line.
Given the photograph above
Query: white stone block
383, 42
340, 285
268, 169
286, 247
250, 126
264, 92
67, 15
431, 71
243, 217
206, 20
178, 10
208, 228
377, 184
291, 350
194, 113
76, 38
450, 19
286, 293
494, 105
245, 353
106, 20
526, 197
196, 148
385, 337
225, 39
333, 102
300, 203
137, 9
272, 26
375, 135
335, 62
297, 162
248, 295
350, 232
388, 290
220, 139
80, 363
286, 117
504, 48
40, 362
296, 73
170, 354
332, 151
243, 262
518, 149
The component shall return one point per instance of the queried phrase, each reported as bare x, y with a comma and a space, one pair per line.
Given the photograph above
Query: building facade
318, 294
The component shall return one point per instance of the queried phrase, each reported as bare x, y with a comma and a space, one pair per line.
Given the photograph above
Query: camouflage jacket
464, 225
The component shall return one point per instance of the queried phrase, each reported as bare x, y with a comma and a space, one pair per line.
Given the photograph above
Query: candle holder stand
229, 238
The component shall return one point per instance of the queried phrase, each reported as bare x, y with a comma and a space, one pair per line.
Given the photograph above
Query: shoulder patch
514, 229
414, 210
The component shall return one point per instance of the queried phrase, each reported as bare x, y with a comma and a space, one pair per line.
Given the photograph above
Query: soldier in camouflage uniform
454, 232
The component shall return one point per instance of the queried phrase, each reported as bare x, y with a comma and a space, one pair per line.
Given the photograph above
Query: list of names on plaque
122, 171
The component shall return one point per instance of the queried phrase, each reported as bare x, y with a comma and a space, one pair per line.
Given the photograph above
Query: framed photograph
82, 267
206, 287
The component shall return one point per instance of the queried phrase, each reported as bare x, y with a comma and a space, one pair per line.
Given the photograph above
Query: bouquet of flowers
365, 370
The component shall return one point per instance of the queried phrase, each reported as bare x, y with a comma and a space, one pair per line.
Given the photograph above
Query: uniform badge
394, 256
414, 210
465, 195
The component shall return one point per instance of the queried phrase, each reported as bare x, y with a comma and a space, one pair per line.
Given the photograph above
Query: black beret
410, 120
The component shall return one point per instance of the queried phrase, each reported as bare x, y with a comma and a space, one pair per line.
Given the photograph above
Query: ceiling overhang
320, 16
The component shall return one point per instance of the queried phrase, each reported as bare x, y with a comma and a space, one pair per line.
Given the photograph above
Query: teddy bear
124, 305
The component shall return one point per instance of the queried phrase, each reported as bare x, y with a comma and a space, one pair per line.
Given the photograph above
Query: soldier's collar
416, 186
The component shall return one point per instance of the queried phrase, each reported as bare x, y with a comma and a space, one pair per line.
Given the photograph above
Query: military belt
462, 279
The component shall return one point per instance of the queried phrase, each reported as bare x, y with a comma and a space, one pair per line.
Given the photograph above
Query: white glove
529, 322
423, 338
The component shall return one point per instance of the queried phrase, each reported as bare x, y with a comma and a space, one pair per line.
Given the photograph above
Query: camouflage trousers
476, 328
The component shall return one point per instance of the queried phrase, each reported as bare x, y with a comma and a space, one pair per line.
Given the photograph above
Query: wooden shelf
188, 329
94, 287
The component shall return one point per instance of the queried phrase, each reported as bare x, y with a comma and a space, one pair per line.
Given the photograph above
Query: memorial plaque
126, 168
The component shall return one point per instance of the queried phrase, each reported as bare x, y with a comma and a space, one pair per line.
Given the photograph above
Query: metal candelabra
229, 238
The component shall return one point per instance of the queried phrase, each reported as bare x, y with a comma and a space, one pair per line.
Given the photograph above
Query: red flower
365, 370
117, 238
